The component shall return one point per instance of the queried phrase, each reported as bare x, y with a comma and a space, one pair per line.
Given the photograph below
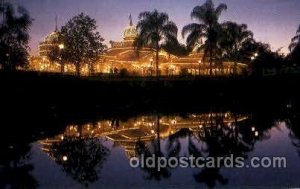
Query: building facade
122, 57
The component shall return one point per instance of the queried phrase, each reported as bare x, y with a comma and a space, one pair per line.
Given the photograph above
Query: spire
130, 20
56, 24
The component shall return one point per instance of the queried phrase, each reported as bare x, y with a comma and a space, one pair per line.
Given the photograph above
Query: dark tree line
14, 37
227, 41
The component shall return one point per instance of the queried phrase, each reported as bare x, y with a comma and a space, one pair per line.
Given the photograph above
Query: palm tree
155, 30
294, 47
208, 27
235, 36
295, 40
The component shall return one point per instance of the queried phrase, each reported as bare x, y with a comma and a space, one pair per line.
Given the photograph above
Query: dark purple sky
272, 21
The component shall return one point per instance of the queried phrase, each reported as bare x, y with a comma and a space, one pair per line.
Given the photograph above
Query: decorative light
174, 121
252, 57
252, 129
61, 46
256, 133
65, 158
62, 137
256, 54
152, 131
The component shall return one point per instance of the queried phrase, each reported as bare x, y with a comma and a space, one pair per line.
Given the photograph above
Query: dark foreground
72, 113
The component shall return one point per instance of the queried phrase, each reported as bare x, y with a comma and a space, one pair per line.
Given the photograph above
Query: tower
130, 20
56, 29
130, 33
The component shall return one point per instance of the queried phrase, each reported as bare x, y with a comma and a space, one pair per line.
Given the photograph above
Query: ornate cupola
130, 33
49, 42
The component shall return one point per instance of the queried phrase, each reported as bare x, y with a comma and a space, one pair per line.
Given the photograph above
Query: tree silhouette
234, 37
207, 28
15, 167
80, 157
14, 37
175, 48
294, 134
83, 44
155, 30
295, 40
294, 55
57, 53
217, 139
266, 59
154, 148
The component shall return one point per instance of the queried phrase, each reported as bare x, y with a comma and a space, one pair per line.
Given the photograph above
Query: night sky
272, 21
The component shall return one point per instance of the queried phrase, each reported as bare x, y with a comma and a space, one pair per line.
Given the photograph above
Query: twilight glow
272, 21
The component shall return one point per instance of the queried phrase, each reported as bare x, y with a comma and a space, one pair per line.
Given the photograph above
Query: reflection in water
79, 149
80, 157
221, 139
294, 124
15, 169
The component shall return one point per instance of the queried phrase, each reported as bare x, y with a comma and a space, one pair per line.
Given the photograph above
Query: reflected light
65, 158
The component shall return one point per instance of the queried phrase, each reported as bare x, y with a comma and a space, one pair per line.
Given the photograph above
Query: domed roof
52, 37
130, 32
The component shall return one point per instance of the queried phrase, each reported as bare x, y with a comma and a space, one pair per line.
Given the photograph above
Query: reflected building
122, 57
127, 134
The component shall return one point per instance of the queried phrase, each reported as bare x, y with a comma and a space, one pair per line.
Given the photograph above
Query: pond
114, 152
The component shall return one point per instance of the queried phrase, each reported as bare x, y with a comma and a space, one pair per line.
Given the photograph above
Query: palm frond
170, 28
222, 7
296, 38
194, 27
292, 46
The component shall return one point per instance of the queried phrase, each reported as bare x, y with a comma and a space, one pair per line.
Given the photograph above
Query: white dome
130, 33
52, 37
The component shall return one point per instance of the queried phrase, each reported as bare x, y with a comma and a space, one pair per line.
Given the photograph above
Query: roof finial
130, 20
56, 23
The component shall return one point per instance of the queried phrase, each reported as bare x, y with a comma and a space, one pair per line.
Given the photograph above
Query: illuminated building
41, 62
123, 57
50, 42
